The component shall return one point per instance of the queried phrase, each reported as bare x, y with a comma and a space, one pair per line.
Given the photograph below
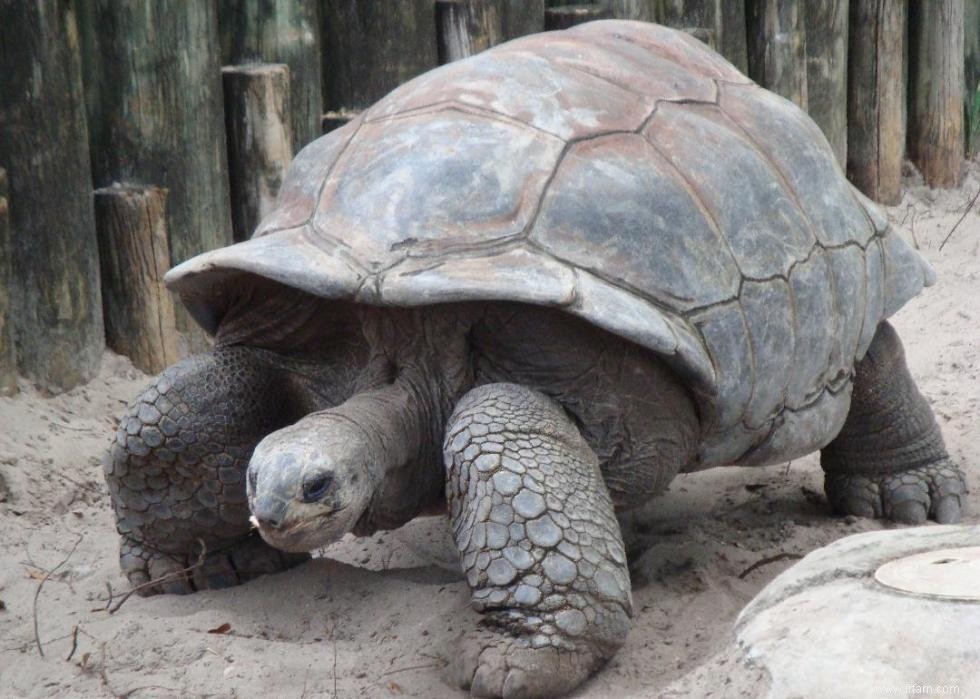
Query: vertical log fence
201, 151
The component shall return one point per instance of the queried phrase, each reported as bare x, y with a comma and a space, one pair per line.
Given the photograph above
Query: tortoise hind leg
176, 472
889, 460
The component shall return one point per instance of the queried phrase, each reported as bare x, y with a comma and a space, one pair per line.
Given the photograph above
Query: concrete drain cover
946, 574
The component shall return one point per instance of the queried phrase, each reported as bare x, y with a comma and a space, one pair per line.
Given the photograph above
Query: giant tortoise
532, 286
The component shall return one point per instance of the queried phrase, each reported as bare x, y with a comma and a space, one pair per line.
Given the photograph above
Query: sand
378, 617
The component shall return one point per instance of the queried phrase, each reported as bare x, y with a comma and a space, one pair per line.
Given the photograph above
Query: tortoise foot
936, 491
504, 663
226, 565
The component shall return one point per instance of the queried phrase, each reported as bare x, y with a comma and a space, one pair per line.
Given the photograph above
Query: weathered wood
639, 10
777, 47
279, 31
565, 16
935, 127
134, 255
260, 146
153, 88
55, 304
521, 17
466, 27
734, 45
971, 92
8, 358
876, 98
369, 48
699, 18
825, 22
334, 120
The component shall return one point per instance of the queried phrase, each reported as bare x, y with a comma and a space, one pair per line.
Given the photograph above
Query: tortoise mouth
307, 534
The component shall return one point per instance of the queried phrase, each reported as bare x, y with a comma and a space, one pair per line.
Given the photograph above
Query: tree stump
521, 17
55, 305
825, 22
8, 358
153, 87
279, 31
777, 47
935, 126
369, 48
565, 16
466, 27
133, 249
876, 98
260, 146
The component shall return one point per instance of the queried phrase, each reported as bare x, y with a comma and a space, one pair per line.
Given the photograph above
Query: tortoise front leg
538, 542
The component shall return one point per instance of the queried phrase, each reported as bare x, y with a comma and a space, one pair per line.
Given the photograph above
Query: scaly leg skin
889, 459
538, 542
176, 473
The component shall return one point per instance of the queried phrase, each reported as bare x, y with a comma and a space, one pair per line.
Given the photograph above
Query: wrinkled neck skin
377, 455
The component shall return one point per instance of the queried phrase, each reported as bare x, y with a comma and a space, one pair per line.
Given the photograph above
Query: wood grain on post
279, 31
153, 87
777, 47
935, 126
8, 358
369, 48
55, 304
260, 146
466, 27
565, 16
134, 253
699, 18
825, 22
639, 10
733, 36
521, 17
876, 98
971, 93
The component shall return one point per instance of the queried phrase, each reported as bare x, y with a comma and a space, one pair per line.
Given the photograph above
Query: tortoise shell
625, 173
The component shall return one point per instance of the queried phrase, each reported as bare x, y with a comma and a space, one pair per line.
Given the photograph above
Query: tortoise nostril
269, 513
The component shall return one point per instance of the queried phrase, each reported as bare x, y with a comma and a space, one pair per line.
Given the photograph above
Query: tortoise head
308, 484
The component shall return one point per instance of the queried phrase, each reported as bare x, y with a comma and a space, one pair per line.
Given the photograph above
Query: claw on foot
493, 664
937, 491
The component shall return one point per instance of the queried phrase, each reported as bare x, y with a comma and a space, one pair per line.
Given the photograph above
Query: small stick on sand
956, 225
37, 592
169, 577
767, 560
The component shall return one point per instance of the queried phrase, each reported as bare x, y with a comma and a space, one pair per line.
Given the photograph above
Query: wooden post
565, 16
369, 48
466, 27
971, 93
699, 18
133, 249
825, 22
153, 87
777, 47
733, 37
8, 358
279, 31
876, 98
639, 10
521, 17
935, 130
55, 304
259, 143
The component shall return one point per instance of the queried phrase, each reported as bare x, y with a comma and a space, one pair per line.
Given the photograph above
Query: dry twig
767, 560
37, 592
956, 225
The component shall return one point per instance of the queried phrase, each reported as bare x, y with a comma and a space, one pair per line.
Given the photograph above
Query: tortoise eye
316, 485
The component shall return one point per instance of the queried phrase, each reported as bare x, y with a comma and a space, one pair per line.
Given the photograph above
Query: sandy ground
378, 617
